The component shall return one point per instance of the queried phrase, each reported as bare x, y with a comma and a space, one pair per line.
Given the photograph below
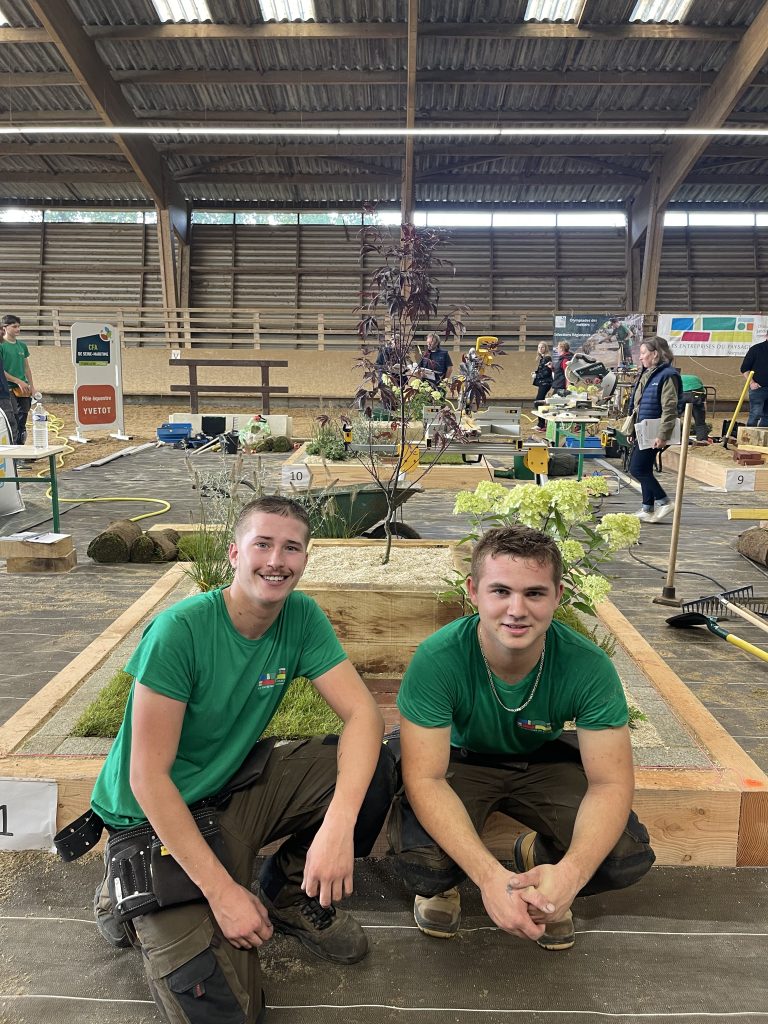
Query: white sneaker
662, 511
647, 517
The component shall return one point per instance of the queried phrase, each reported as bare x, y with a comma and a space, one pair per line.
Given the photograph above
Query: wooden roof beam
711, 112
80, 54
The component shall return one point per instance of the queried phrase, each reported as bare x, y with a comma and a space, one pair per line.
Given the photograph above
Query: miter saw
583, 370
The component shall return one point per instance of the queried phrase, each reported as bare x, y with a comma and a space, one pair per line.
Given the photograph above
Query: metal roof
477, 63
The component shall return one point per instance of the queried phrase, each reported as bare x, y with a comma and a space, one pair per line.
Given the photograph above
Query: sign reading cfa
98, 376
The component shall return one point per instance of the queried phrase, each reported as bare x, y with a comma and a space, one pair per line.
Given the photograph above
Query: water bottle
39, 426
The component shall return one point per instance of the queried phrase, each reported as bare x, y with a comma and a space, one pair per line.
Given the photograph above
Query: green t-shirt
14, 353
447, 684
231, 686
691, 382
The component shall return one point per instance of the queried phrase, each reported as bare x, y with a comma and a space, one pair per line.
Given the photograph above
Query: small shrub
281, 444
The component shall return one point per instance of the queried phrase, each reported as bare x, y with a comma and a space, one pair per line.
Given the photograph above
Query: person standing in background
17, 370
7, 400
756, 360
435, 360
541, 378
559, 363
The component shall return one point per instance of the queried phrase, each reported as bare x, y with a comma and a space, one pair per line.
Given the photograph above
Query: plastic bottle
39, 426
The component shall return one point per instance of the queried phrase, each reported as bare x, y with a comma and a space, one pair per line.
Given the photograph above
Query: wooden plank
22, 548
747, 513
707, 471
39, 708
28, 563
753, 829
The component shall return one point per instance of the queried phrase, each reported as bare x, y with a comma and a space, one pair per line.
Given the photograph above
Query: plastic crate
172, 432
589, 442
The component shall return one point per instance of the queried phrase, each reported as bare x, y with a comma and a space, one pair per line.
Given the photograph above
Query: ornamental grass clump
566, 510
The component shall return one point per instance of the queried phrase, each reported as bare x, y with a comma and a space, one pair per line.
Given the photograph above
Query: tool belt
142, 876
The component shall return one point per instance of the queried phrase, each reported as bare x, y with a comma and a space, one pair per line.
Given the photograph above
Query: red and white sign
98, 377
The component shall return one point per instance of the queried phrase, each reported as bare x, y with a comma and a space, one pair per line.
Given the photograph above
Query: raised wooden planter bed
724, 474
716, 815
380, 625
447, 478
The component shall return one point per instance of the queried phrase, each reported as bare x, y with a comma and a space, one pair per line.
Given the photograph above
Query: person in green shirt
695, 394
209, 674
15, 355
483, 706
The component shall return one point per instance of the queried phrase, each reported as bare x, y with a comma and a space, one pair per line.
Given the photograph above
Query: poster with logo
712, 334
611, 338
98, 377
10, 495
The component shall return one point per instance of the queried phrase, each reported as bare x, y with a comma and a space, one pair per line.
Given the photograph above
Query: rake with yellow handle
688, 619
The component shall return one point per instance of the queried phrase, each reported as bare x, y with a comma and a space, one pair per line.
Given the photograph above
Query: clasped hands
523, 904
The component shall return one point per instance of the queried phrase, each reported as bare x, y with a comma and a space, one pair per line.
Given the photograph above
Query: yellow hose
55, 425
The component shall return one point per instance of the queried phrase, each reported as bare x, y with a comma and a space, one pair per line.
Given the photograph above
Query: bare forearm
442, 814
600, 821
359, 748
171, 819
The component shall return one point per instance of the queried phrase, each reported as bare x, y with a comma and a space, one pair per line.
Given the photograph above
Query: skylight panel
660, 10
3, 19
287, 10
554, 10
182, 10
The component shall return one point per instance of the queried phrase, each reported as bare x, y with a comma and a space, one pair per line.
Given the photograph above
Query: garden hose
55, 425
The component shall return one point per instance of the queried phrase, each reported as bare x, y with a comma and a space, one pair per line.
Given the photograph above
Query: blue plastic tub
172, 432
589, 442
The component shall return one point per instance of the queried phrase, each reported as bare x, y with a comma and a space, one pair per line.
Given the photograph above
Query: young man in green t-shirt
209, 675
15, 355
483, 705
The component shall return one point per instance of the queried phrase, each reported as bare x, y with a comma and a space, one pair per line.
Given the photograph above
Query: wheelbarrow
361, 509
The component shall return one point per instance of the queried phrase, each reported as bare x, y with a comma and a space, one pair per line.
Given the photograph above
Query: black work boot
330, 933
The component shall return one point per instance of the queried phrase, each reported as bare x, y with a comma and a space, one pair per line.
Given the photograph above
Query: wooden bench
194, 388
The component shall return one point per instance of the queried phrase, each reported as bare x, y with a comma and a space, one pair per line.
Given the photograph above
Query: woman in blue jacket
654, 397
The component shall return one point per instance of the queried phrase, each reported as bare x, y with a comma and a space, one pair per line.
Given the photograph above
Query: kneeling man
210, 673
483, 704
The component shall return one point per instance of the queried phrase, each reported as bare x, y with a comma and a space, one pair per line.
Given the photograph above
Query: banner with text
98, 376
611, 338
711, 334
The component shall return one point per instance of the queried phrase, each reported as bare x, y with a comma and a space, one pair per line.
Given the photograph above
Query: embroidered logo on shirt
531, 726
267, 681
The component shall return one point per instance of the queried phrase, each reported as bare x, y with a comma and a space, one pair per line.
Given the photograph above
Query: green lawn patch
446, 459
303, 712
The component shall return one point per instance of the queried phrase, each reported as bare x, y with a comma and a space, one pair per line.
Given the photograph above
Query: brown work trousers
196, 976
544, 794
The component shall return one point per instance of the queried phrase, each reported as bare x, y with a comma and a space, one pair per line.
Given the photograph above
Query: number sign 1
27, 814
296, 478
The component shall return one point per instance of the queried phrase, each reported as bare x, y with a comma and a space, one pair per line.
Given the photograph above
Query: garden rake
703, 613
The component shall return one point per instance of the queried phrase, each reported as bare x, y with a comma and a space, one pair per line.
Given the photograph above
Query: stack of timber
32, 556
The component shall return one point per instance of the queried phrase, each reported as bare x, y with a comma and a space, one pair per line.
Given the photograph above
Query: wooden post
649, 281
522, 332
320, 332
256, 329
56, 326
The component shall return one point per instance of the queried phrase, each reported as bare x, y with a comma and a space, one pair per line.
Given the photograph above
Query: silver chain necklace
493, 685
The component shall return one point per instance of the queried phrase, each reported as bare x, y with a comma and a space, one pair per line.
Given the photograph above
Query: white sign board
27, 814
10, 495
98, 376
711, 334
296, 478
739, 479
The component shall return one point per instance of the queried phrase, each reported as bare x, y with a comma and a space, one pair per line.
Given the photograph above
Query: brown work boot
558, 935
330, 933
438, 916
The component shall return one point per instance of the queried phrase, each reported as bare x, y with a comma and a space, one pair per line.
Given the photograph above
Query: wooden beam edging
736, 772
738, 769
40, 707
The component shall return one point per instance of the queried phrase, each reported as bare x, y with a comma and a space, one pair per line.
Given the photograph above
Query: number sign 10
296, 478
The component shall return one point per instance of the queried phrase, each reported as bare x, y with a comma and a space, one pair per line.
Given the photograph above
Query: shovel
688, 619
